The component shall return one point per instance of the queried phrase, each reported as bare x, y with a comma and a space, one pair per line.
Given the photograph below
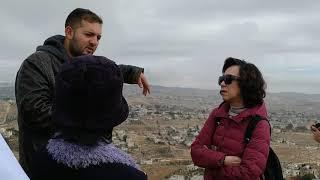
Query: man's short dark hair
252, 85
79, 14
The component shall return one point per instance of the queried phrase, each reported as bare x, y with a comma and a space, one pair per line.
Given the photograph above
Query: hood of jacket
55, 46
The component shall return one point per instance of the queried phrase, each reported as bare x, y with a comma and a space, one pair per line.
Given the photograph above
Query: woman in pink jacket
220, 147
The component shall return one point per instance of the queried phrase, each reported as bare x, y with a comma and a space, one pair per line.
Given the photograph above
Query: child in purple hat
88, 104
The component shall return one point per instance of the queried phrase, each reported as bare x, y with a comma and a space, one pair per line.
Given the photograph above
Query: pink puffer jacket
227, 139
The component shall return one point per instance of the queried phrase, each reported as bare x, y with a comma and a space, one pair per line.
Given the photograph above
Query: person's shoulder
40, 59
263, 127
38, 56
264, 124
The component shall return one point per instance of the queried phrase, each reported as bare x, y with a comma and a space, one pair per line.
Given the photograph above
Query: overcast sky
181, 43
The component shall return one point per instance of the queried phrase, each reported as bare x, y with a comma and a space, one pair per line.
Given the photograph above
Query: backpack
273, 169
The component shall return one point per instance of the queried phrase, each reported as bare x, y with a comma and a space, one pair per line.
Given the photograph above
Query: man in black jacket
35, 81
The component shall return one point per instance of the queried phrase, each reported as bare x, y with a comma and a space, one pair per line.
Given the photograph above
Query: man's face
85, 38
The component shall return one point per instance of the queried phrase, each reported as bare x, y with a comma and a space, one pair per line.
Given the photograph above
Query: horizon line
11, 84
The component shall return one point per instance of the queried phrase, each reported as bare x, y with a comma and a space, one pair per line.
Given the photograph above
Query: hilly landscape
162, 126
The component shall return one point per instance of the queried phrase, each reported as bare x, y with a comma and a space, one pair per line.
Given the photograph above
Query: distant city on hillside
161, 127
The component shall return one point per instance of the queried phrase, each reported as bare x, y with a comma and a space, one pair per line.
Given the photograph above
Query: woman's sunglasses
228, 79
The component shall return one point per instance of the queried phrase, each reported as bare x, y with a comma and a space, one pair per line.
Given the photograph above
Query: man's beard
74, 48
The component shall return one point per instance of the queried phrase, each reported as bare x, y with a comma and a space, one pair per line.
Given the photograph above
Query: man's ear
68, 32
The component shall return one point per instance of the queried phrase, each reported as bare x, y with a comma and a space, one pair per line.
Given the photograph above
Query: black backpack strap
253, 121
273, 169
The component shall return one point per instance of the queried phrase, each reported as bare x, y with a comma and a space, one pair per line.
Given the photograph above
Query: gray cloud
183, 42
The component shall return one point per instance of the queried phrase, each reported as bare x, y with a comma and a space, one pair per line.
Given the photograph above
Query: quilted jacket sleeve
255, 156
34, 94
130, 73
201, 155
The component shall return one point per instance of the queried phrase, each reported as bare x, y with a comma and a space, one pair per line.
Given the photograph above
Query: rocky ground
162, 149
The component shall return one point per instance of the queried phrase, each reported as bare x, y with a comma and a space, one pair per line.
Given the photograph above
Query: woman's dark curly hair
252, 85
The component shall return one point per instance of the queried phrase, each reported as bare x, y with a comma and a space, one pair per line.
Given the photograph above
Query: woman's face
230, 90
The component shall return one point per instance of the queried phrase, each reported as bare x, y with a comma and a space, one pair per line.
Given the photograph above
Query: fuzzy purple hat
88, 98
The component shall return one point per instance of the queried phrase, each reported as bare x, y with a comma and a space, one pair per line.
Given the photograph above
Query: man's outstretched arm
135, 75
